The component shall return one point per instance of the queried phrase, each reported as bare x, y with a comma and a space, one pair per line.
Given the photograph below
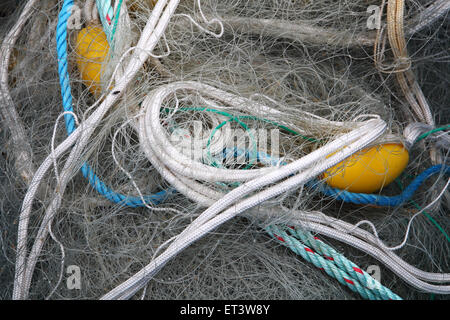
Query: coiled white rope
178, 169
300, 171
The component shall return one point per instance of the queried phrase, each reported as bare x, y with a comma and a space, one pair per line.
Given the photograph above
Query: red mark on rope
309, 250
349, 281
358, 270
278, 237
108, 18
329, 258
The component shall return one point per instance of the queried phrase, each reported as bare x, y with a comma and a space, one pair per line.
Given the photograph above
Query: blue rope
380, 200
352, 197
94, 181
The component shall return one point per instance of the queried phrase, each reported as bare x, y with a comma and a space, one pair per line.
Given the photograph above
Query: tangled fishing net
202, 149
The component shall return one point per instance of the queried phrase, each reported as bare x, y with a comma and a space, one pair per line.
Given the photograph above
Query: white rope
302, 170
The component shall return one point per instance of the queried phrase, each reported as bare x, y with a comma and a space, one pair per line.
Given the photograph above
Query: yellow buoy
370, 169
91, 49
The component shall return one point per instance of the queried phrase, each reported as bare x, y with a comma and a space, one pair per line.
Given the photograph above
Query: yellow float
91, 51
370, 169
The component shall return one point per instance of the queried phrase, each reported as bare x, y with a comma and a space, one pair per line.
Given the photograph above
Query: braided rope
106, 13
94, 180
343, 263
326, 265
380, 200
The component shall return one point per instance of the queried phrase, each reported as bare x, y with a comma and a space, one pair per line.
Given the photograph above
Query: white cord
52, 153
214, 20
402, 244
91, 12
63, 256
130, 176
21, 147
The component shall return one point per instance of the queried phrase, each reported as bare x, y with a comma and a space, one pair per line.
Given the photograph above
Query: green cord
280, 126
251, 118
432, 220
426, 134
242, 124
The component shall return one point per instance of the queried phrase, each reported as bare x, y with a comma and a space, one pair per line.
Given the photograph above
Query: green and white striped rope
343, 263
337, 271
108, 18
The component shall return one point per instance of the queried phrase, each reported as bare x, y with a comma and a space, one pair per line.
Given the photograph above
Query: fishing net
227, 93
